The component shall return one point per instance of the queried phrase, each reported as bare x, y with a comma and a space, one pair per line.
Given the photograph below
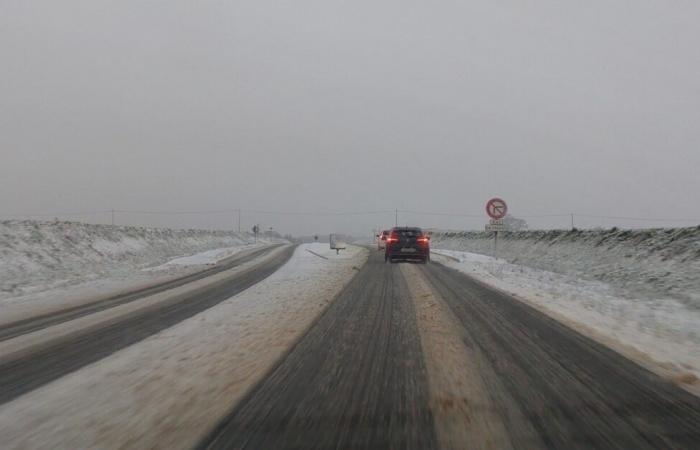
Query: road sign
496, 227
496, 208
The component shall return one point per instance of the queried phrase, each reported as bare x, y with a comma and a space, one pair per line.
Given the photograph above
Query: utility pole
239, 220
396, 218
572, 221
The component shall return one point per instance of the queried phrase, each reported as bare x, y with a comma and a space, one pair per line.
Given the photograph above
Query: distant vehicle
407, 243
381, 239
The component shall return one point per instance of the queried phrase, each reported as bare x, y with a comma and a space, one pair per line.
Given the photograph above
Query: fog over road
419, 357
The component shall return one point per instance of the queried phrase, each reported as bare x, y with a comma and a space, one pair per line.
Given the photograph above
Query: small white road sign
496, 227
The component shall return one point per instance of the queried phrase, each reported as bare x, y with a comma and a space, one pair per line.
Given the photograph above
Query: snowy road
424, 357
115, 323
308, 349
38, 322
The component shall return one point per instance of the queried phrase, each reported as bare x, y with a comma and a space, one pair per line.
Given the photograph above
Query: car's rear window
409, 232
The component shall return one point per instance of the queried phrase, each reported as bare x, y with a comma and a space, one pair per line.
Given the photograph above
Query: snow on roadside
37, 257
208, 258
45, 266
170, 389
664, 329
640, 264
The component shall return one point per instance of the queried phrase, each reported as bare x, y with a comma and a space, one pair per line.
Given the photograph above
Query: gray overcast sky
557, 106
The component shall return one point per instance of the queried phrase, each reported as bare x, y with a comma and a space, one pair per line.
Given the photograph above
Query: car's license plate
408, 250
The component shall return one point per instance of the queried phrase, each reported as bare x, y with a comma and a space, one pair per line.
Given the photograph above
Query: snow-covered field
602, 283
170, 388
638, 264
45, 265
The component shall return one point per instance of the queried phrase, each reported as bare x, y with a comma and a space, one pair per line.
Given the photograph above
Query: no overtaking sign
496, 208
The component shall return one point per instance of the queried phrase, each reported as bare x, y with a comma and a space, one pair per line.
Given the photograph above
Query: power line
448, 214
335, 213
56, 213
538, 216
175, 213
641, 219
318, 213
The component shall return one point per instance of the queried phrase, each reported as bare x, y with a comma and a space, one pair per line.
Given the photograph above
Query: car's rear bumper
398, 254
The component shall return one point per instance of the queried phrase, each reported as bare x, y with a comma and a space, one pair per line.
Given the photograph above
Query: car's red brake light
392, 238
423, 240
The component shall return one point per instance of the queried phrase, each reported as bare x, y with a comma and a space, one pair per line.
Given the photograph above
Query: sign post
337, 243
495, 244
256, 230
496, 209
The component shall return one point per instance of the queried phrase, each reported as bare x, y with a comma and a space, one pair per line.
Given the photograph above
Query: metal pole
239, 220
396, 218
495, 244
572, 221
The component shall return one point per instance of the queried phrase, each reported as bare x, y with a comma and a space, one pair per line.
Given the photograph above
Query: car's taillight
423, 240
392, 238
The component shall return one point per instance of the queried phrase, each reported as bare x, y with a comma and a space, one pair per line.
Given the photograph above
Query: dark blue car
407, 244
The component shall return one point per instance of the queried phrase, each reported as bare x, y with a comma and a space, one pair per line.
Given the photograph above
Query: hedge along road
425, 357
25, 370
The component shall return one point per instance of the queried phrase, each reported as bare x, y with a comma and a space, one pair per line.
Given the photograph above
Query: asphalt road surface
42, 363
365, 375
20, 327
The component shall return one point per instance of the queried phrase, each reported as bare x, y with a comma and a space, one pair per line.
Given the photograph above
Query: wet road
37, 365
356, 379
29, 325
365, 376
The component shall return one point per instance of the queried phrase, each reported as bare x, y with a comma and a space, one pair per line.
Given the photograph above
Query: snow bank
637, 291
645, 264
207, 258
168, 390
39, 256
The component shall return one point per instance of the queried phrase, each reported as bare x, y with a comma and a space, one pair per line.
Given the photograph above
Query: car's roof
407, 229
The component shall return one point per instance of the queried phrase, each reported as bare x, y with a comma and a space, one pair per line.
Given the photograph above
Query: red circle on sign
496, 208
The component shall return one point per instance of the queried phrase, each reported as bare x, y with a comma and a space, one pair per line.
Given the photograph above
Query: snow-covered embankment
636, 290
47, 263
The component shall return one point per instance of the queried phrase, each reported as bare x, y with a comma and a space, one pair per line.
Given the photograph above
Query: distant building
514, 224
